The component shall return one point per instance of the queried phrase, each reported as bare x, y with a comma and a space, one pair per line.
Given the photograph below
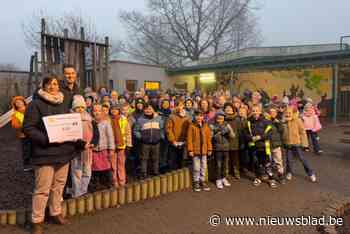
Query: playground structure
90, 58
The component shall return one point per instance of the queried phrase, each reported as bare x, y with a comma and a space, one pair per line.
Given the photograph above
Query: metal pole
335, 69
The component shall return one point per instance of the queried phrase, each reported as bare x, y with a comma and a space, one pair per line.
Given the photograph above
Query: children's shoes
226, 182
219, 184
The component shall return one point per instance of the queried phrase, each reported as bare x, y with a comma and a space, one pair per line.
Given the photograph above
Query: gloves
80, 145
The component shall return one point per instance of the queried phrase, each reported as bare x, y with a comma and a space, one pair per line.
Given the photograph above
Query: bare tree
186, 30
72, 20
243, 33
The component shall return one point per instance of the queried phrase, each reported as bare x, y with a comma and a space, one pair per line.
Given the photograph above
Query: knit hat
309, 100
139, 100
78, 101
285, 100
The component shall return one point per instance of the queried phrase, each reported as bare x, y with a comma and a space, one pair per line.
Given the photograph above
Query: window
131, 85
152, 85
111, 84
182, 86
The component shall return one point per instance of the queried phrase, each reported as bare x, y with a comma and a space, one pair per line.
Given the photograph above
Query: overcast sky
282, 22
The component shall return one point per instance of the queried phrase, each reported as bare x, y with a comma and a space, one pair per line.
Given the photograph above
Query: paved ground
188, 212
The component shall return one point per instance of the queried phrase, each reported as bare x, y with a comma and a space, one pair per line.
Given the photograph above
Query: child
89, 101
81, 166
19, 106
276, 142
149, 131
294, 138
199, 147
122, 137
245, 158
103, 152
206, 109
312, 126
189, 107
176, 129
233, 120
258, 136
222, 133
164, 113
105, 110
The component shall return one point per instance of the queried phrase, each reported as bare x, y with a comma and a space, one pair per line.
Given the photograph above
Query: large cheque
65, 127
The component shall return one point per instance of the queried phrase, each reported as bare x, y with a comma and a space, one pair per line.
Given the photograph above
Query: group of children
166, 132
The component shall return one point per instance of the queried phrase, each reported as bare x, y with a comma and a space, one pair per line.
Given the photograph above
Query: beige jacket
294, 133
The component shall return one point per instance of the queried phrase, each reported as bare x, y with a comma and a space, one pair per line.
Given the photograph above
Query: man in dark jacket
68, 86
149, 130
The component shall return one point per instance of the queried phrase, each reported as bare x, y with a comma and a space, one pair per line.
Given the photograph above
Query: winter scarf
54, 99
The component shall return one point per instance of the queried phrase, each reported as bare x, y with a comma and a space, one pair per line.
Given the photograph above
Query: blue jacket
149, 130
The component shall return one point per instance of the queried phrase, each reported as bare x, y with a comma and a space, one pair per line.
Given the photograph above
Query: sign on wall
152, 85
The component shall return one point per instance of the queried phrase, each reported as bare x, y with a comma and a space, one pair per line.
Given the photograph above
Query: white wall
121, 71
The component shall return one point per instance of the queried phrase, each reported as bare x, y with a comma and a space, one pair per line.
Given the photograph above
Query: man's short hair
68, 66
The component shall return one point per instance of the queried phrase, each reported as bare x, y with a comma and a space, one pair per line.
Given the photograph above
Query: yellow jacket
125, 130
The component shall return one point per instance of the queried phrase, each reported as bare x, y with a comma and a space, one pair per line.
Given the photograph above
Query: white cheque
65, 127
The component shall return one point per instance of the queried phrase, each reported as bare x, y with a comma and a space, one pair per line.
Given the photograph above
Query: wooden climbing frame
90, 58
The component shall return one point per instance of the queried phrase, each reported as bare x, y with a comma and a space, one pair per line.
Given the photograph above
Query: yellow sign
207, 78
152, 85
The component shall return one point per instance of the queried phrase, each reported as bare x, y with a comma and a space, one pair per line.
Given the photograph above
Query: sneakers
196, 187
319, 152
256, 182
289, 176
226, 182
281, 179
313, 178
219, 184
273, 184
205, 187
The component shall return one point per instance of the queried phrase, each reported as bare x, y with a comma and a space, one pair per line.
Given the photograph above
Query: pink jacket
312, 122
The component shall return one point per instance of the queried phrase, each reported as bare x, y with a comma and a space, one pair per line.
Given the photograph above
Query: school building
321, 72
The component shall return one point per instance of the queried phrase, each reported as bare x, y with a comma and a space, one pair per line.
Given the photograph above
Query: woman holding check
51, 160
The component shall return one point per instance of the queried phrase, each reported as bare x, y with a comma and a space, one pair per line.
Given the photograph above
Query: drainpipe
335, 69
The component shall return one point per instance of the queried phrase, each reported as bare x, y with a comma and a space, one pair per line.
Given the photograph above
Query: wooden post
335, 69
30, 78
93, 72
36, 69
82, 75
114, 197
43, 46
106, 63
